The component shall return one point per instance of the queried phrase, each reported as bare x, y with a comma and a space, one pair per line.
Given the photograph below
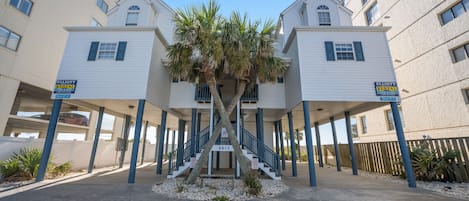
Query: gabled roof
305, 1
149, 2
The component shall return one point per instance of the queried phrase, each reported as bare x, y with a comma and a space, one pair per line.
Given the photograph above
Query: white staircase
266, 169
183, 168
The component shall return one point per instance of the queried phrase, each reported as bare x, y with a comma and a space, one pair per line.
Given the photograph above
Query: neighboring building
335, 70
429, 42
32, 42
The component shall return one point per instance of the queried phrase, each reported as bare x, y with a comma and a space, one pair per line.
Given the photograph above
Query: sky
256, 9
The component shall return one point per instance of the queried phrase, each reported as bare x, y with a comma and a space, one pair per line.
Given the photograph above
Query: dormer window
132, 16
324, 16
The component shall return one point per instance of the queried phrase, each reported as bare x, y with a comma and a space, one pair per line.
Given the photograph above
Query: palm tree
210, 47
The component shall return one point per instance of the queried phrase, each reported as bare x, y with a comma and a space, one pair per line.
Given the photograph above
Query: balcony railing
251, 95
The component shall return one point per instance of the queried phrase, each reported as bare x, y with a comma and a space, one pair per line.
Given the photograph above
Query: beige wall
43, 39
430, 83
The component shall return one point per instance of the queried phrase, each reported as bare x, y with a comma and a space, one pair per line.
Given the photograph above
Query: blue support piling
167, 142
336, 146
157, 137
145, 129
197, 139
292, 144
281, 144
218, 161
318, 146
41, 172
125, 140
159, 164
138, 130
193, 132
309, 145
96, 139
350, 143
180, 151
260, 144
277, 140
403, 146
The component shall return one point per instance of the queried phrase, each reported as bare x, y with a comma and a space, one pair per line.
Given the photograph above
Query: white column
117, 128
238, 132
9, 88
92, 125
210, 134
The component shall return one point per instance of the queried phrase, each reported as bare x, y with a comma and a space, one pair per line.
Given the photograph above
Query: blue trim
138, 130
359, 56
336, 146
197, 140
41, 172
96, 139
93, 51
281, 144
159, 164
403, 146
260, 144
330, 53
318, 146
121, 51
292, 144
309, 145
350, 143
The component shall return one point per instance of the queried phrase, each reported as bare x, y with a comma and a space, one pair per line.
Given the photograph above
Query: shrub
29, 159
428, 167
221, 198
9, 167
61, 170
252, 183
180, 188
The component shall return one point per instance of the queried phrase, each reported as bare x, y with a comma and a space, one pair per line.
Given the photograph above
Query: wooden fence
385, 157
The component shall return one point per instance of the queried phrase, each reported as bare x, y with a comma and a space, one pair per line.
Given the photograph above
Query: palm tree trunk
225, 121
204, 157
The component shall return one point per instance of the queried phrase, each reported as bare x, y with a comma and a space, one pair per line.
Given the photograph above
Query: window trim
364, 126
369, 9
464, 46
465, 93
100, 4
450, 9
323, 9
8, 38
18, 7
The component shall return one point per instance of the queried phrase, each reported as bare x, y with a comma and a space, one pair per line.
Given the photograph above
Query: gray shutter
121, 51
330, 53
358, 51
93, 51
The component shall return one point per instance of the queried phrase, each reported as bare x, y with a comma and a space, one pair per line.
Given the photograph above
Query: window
132, 16
364, 2
344, 51
102, 5
353, 124
280, 79
324, 16
9, 39
455, 11
460, 53
363, 124
466, 95
95, 23
390, 119
107, 50
22, 5
372, 14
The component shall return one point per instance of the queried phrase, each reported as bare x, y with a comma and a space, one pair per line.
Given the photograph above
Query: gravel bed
4, 186
207, 189
455, 190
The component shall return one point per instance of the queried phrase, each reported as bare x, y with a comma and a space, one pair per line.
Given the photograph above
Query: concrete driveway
106, 186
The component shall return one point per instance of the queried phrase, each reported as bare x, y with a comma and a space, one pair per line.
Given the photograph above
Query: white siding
343, 80
292, 78
118, 17
271, 95
159, 82
182, 95
108, 79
